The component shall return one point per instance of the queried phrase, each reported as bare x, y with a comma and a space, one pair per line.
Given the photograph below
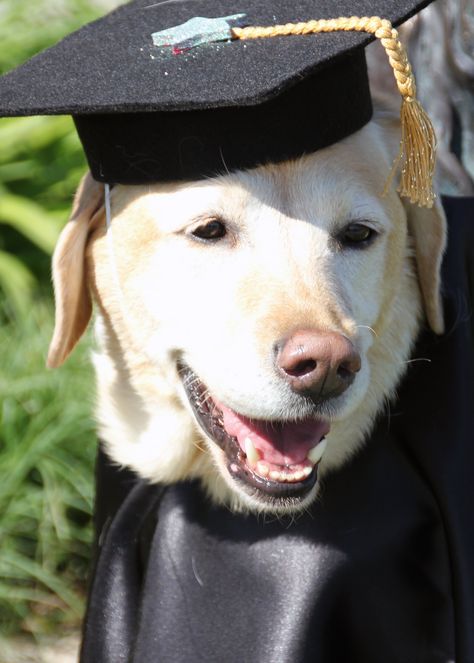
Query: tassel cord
416, 159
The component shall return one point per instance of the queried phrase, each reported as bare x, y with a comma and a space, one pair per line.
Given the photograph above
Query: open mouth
279, 459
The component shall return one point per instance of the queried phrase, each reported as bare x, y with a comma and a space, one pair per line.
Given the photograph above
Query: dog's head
250, 326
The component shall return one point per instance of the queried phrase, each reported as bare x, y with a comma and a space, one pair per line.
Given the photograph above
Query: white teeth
290, 477
253, 456
262, 468
283, 476
316, 452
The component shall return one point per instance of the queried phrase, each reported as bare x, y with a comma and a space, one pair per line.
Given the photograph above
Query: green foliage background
47, 444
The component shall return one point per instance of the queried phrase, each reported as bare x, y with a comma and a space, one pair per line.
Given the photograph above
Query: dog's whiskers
198, 446
206, 397
306, 511
411, 361
388, 410
371, 329
190, 380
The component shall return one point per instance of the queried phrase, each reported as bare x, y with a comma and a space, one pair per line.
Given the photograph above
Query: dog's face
251, 325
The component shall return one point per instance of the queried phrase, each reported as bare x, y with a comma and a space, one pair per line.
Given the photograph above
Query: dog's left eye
356, 235
210, 231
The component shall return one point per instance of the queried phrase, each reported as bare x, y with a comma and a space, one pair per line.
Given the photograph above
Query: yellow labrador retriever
250, 327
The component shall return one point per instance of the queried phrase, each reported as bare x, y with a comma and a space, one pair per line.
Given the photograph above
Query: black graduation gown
380, 570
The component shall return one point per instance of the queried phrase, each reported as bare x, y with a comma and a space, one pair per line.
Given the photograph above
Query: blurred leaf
19, 170
30, 220
14, 566
26, 135
17, 282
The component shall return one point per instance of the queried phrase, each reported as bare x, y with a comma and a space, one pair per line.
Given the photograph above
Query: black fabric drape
380, 569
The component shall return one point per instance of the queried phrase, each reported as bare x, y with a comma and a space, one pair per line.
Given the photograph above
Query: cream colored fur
162, 295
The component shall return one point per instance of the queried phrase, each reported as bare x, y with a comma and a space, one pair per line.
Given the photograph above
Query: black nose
318, 364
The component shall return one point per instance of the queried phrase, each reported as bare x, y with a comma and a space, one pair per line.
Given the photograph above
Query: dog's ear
73, 301
429, 230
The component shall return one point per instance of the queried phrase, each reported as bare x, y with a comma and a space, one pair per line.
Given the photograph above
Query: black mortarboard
155, 109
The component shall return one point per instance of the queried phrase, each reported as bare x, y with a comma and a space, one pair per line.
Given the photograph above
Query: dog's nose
318, 364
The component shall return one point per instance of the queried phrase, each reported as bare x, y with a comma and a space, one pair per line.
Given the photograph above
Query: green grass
47, 450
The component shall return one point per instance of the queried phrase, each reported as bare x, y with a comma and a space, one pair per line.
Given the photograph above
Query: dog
250, 327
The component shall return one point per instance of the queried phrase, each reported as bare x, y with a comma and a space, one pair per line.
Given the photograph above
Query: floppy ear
73, 302
429, 231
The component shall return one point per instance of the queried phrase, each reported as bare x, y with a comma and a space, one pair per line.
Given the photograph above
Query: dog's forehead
343, 181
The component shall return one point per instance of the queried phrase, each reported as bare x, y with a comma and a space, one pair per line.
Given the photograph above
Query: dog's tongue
278, 442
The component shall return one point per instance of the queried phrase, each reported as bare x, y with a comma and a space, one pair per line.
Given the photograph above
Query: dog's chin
270, 465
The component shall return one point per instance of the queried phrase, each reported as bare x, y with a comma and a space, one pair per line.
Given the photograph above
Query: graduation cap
186, 89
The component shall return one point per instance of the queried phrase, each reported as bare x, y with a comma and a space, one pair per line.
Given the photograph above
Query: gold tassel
418, 140
417, 154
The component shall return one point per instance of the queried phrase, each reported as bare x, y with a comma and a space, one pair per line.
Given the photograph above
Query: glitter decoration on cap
198, 31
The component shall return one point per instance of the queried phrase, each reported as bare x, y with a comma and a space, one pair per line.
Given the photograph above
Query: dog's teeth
316, 452
289, 477
262, 468
253, 456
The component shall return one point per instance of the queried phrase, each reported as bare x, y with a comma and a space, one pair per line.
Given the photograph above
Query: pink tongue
279, 443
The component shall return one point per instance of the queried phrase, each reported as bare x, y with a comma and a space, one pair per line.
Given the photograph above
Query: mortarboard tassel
416, 159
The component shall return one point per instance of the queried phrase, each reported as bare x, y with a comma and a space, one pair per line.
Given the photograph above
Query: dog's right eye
210, 231
356, 236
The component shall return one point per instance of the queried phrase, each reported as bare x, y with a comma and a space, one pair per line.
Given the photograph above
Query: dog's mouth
276, 459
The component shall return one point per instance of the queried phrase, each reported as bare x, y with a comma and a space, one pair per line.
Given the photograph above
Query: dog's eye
211, 231
356, 235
